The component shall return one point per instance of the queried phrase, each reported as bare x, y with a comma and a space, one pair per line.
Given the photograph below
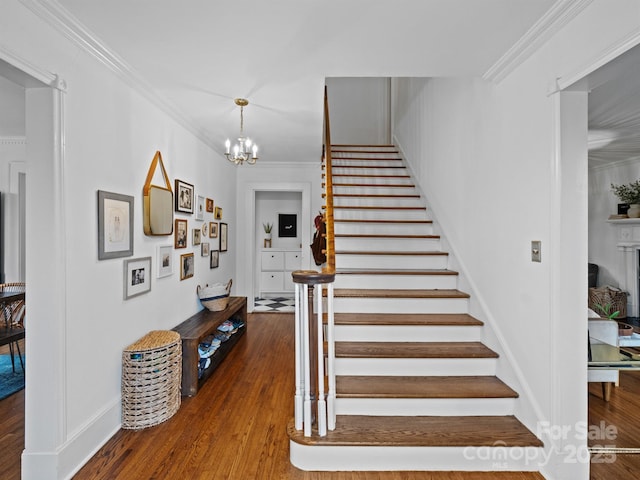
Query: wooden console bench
199, 326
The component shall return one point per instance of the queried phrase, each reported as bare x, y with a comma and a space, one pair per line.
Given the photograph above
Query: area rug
10, 381
279, 304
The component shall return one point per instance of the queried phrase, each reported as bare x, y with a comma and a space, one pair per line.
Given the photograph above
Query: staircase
416, 388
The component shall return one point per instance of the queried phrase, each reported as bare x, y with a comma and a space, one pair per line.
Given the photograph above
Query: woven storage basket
151, 379
603, 296
215, 297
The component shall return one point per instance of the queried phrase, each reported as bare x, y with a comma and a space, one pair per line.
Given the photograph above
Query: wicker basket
607, 295
151, 379
215, 297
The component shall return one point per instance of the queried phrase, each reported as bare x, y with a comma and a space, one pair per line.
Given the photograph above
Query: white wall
359, 110
110, 135
494, 163
602, 235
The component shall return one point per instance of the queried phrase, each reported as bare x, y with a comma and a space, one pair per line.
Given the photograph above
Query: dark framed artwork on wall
184, 197
287, 225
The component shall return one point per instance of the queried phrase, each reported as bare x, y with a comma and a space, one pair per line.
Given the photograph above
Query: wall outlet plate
536, 253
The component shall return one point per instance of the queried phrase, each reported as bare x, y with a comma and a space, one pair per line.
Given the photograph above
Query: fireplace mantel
628, 243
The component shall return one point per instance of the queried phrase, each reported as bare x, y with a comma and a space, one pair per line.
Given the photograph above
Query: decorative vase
634, 210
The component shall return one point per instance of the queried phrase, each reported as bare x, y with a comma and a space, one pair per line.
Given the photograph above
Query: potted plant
267, 228
629, 193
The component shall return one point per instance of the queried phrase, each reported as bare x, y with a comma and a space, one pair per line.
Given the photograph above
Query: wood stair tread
400, 319
373, 271
361, 386
365, 252
422, 431
375, 195
380, 220
369, 166
383, 235
375, 207
413, 350
398, 293
374, 159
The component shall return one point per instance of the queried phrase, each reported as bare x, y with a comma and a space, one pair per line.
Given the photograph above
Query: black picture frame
287, 225
184, 197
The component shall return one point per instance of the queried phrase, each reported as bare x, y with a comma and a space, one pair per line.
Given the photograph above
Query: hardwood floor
235, 428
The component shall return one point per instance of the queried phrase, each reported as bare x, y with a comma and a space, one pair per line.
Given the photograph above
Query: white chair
603, 330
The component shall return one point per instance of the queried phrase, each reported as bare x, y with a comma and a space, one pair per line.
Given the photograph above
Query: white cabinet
275, 270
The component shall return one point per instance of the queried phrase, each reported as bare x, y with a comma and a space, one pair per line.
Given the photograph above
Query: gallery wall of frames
191, 220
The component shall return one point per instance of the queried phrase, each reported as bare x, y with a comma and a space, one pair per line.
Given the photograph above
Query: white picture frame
137, 277
164, 266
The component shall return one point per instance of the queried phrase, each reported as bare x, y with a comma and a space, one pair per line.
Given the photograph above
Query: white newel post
310, 337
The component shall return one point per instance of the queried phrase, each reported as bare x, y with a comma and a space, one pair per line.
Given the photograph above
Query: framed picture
184, 197
224, 232
199, 207
218, 213
287, 225
213, 230
115, 225
137, 277
186, 265
196, 236
214, 258
204, 249
180, 233
209, 205
205, 230
164, 267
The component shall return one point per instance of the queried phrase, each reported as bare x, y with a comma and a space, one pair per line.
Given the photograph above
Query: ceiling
198, 55
201, 54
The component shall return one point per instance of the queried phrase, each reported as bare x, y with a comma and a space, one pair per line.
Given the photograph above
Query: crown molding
15, 140
561, 13
61, 20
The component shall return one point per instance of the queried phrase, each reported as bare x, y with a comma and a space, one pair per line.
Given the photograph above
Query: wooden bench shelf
199, 326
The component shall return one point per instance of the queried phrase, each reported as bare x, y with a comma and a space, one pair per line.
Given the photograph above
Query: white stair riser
379, 214
377, 201
402, 184
384, 228
406, 333
393, 262
396, 281
372, 162
469, 459
400, 305
377, 244
368, 171
424, 406
415, 366
378, 190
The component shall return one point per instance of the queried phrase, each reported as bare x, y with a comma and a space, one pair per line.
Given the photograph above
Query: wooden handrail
330, 250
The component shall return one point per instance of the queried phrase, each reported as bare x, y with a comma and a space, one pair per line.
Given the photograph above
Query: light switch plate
536, 253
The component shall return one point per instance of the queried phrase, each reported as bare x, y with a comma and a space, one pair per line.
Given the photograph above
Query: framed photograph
180, 233
224, 233
184, 196
137, 277
164, 267
213, 230
204, 249
115, 225
214, 258
186, 265
218, 213
199, 207
209, 205
196, 236
205, 230
287, 225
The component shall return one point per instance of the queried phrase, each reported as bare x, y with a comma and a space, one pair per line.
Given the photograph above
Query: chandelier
245, 150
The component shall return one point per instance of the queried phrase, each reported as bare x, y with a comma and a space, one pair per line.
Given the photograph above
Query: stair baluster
310, 338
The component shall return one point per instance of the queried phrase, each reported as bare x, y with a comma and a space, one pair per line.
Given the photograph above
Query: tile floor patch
277, 304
